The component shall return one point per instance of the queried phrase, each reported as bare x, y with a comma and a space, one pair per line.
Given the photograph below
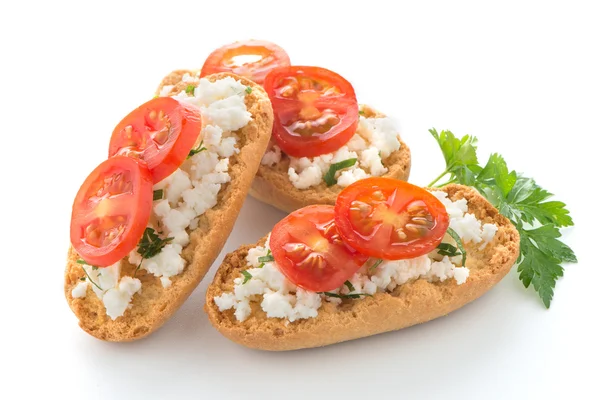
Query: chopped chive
349, 286
329, 177
190, 89
459, 243
375, 265
266, 259
247, 277
197, 150
248, 89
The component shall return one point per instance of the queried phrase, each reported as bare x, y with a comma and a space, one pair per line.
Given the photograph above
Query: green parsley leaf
157, 195
248, 89
346, 296
247, 277
190, 89
459, 243
361, 112
197, 150
521, 200
329, 177
349, 286
82, 279
460, 156
80, 261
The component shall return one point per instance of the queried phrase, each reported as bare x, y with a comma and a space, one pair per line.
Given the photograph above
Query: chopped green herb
361, 112
248, 89
262, 263
375, 265
446, 249
329, 177
346, 296
82, 279
155, 96
94, 268
267, 258
86, 274
197, 150
459, 243
158, 195
349, 286
150, 245
247, 277
190, 89
519, 199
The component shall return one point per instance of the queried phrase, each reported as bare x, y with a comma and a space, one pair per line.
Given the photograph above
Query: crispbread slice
154, 304
409, 304
272, 185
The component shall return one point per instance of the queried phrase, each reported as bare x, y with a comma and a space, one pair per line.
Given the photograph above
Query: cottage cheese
193, 188
279, 298
187, 193
115, 293
375, 139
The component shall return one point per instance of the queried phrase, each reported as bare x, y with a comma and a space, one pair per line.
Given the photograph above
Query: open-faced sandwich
148, 222
388, 255
323, 140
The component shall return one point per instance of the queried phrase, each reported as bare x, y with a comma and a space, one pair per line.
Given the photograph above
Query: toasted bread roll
154, 304
272, 185
409, 304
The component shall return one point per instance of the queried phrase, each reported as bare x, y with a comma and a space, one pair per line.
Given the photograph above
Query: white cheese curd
193, 188
187, 193
280, 298
80, 290
375, 139
115, 294
117, 299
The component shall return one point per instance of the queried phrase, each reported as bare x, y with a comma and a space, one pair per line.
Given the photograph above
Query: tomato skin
115, 198
390, 219
308, 250
160, 132
221, 60
316, 111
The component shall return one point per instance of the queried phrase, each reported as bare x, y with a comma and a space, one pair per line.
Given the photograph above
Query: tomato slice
160, 132
111, 210
315, 109
390, 219
309, 251
253, 59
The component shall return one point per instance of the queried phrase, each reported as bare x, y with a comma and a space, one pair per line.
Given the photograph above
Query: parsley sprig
346, 296
150, 245
521, 200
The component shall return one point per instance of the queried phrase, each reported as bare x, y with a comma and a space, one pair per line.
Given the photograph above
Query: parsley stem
440, 176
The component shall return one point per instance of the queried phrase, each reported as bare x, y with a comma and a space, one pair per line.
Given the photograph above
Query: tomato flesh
316, 111
309, 251
160, 132
390, 219
253, 59
111, 210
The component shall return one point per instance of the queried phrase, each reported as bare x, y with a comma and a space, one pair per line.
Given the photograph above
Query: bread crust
272, 185
155, 304
409, 304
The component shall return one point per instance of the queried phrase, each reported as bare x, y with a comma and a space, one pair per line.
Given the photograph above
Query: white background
521, 76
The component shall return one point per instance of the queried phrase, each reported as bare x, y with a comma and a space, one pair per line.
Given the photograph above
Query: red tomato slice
111, 210
160, 132
390, 219
253, 59
309, 251
315, 109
